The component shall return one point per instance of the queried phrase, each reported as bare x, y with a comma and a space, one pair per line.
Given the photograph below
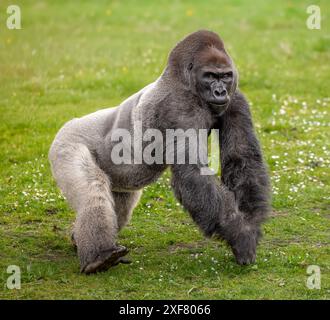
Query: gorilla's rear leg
87, 189
125, 202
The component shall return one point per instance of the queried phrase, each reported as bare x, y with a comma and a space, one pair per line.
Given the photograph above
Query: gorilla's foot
244, 247
106, 259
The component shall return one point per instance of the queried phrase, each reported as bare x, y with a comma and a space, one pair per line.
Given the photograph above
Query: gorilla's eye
227, 75
209, 75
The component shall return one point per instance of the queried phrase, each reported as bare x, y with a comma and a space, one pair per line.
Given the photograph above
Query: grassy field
72, 58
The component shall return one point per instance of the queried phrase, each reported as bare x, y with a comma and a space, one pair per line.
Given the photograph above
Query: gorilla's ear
190, 77
187, 79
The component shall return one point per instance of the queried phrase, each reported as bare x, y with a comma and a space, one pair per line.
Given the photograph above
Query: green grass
71, 59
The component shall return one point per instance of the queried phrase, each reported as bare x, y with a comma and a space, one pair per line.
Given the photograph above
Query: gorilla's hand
244, 246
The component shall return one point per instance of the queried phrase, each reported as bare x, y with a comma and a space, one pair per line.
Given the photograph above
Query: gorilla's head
202, 64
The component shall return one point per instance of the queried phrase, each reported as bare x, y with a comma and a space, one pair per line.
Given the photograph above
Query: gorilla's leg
214, 209
87, 189
125, 202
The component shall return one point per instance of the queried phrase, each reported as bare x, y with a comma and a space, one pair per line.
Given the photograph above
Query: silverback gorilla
197, 90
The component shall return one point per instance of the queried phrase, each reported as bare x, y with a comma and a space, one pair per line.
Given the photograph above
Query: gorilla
197, 90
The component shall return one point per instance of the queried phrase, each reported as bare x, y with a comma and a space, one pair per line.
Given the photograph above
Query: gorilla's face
214, 86
215, 79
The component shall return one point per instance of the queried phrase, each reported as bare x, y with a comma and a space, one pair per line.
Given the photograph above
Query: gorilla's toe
124, 260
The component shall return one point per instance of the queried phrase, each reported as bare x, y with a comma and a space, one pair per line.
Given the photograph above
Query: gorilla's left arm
213, 208
242, 166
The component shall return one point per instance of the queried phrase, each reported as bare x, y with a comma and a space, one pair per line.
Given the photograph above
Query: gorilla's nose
220, 95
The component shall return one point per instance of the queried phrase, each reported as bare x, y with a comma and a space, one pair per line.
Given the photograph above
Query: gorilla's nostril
223, 93
220, 94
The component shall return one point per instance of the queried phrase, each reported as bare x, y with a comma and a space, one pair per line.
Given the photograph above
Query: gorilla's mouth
219, 104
